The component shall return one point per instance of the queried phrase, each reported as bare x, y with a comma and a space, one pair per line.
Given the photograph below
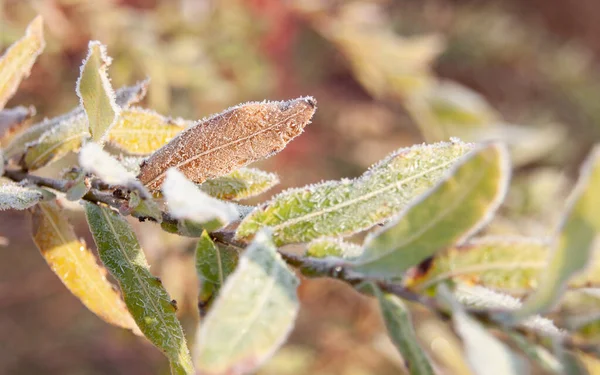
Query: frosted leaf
76, 265
145, 297
240, 184
16, 63
95, 92
13, 121
341, 208
399, 325
573, 247
17, 197
229, 140
459, 205
94, 159
333, 247
485, 354
186, 201
52, 139
141, 131
252, 316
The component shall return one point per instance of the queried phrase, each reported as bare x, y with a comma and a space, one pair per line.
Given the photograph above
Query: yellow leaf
76, 265
140, 131
17, 61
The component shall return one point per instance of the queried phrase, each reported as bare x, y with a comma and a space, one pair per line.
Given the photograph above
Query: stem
310, 267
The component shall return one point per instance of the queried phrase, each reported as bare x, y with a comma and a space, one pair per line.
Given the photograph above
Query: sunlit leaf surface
240, 184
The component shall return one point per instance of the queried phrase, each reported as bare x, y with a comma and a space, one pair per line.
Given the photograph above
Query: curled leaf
240, 184
76, 265
229, 140
13, 121
140, 131
341, 208
252, 316
145, 297
458, 206
95, 92
18, 59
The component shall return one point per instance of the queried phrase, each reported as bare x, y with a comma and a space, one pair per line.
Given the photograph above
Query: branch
309, 267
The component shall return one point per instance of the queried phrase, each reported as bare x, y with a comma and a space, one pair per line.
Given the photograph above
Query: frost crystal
187, 201
13, 196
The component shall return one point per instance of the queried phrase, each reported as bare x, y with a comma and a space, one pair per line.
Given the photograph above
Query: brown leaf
13, 121
229, 140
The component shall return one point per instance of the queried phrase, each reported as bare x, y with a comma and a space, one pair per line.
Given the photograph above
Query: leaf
252, 316
341, 208
214, 263
51, 139
95, 92
76, 265
187, 202
574, 244
140, 131
16, 63
13, 121
510, 264
227, 141
17, 197
486, 354
240, 184
145, 297
400, 329
458, 206
332, 247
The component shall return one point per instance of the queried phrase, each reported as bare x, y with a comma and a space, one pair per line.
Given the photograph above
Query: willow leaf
214, 263
76, 265
145, 297
332, 247
95, 92
51, 139
574, 245
17, 197
340, 208
13, 121
396, 316
240, 184
140, 131
252, 316
227, 141
486, 354
16, 63
460, 204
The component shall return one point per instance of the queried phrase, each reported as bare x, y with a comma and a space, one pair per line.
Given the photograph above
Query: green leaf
52, 139
332, 247
141, 131
486, 354
341, 208
252, 316
400, 329
240, 184
16, 63
214, 263
458, 206
17, 197
145, 297
76, 265
95, 92
574, 244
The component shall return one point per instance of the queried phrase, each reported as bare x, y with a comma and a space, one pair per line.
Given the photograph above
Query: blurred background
386, 74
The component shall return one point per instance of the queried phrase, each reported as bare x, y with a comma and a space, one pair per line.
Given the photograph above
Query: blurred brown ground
204, 56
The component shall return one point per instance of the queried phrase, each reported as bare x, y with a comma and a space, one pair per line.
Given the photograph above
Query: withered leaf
229, 140
13, 121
